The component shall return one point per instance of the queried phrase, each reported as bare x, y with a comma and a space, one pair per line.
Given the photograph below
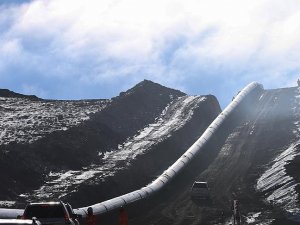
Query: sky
79, 49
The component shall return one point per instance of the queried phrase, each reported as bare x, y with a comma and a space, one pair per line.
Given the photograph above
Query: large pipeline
178, 166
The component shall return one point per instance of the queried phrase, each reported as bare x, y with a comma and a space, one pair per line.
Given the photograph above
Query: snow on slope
279, 186
24, 121
173, 117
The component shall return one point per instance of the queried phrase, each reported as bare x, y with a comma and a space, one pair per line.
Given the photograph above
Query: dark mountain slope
108, 128
137, 107
160, 154
258, 165
10, 94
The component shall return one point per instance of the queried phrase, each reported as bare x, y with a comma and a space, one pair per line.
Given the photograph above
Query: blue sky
76, 49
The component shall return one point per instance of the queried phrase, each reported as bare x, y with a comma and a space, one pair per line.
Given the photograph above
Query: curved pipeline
168, 174
174, 169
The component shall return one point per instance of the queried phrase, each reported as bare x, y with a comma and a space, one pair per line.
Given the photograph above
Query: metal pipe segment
178, 166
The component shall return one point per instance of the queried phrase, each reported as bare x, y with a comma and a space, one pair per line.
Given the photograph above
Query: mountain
66, 149
88, 151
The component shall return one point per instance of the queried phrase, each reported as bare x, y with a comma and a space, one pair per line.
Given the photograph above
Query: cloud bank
97, 48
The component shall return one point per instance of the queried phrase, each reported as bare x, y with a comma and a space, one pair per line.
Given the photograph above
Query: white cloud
103, 39
11, 48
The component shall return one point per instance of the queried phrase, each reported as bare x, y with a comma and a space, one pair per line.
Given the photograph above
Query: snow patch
7, 204
252, 217
261, 96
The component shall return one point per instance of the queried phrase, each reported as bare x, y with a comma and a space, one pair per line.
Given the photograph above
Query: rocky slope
24, 120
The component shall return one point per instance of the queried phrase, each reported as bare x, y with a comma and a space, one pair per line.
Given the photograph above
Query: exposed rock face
261, 148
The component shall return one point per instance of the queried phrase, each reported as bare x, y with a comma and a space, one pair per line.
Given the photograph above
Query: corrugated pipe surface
174, 169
